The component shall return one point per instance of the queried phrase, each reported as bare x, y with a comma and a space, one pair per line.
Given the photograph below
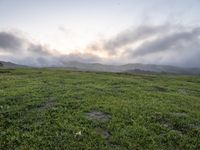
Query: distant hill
10, 65
161, 69
130, 68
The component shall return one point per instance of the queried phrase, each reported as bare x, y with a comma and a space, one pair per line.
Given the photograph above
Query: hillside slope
132, 68
10, 65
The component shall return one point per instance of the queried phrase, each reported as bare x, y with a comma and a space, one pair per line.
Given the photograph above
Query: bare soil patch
180, 114
97, 115
48, 104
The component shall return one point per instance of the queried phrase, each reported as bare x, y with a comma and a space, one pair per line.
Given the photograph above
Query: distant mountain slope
161, 69
10, 65
132, 68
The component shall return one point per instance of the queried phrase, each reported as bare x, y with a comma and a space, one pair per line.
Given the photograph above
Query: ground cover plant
62, 109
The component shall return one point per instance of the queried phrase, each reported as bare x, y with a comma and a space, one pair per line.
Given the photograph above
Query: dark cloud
175, 41
34, 54
133, 35
164, 44
10, 42
38, 49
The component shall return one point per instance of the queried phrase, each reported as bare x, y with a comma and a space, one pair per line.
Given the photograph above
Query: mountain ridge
8, 64
129, 68
132, 67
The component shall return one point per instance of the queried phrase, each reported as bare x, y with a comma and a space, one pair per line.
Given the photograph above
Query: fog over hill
132, 68
129, 68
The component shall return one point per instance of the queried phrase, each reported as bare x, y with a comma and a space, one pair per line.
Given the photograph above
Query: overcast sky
47, 32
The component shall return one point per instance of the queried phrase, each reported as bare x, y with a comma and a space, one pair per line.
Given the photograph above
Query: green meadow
74, 110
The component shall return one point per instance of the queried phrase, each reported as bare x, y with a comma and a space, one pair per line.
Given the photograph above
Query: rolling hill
129, 68
10, 65
132, 68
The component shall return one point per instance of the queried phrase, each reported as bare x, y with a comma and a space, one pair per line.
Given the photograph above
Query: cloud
133, 35
64, 30
160, 44
179, 48
22, 51
38, 49
10, 42
13, 43
176, 41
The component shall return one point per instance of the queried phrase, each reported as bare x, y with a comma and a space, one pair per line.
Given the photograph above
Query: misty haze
109, 74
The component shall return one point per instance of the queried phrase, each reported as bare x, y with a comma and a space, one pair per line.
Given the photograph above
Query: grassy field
60, 109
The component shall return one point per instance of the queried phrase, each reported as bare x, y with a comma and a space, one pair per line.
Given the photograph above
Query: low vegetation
60, 109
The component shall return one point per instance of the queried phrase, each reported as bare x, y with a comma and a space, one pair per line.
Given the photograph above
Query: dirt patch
103, 133
48, 104
180, 114
166, 123
188, 91
177, 128
194, 126
102, 117
97, 115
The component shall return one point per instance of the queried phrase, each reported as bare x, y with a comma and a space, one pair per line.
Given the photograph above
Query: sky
53, 32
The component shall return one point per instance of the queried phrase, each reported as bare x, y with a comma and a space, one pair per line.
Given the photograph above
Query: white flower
78, 133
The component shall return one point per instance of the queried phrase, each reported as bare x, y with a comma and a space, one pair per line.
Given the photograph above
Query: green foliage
46, 109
